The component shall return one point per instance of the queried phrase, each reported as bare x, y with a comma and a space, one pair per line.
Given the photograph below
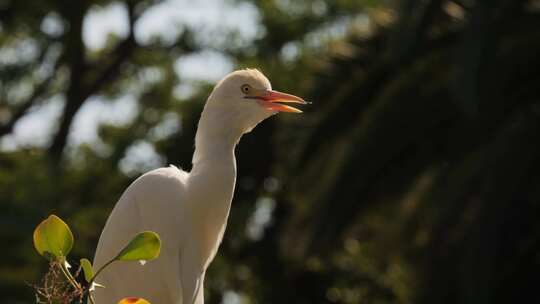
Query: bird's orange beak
273, 100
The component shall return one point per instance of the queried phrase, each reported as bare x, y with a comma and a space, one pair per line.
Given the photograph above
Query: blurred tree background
413, 178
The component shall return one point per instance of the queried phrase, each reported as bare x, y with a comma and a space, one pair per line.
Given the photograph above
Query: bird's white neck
212, 179
213, 140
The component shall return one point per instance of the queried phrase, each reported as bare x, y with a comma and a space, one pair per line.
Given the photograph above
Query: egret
189, 210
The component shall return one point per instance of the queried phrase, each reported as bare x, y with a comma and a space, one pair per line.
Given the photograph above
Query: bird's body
189, 210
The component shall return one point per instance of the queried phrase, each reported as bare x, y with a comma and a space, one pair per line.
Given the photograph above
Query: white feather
188, 210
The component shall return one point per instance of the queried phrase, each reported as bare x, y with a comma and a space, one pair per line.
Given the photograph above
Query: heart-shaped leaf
53, 238
87, 270
144, 246
133, 300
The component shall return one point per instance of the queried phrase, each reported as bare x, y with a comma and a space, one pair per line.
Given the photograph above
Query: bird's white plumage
188, 210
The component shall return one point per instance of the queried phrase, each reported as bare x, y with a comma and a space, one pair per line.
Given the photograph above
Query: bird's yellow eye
245, 88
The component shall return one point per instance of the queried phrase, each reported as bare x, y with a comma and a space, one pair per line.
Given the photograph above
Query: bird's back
153, 202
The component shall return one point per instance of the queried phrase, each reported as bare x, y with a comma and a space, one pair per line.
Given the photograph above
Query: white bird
189, 210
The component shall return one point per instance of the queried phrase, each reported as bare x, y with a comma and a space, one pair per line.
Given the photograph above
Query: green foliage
144, 246
53, 237
87, 269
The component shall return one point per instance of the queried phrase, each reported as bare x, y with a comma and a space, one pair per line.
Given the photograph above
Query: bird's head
245, 97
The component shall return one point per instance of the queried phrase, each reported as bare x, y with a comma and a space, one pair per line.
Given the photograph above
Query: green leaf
87, 270
133, 300
144, 246
53, 237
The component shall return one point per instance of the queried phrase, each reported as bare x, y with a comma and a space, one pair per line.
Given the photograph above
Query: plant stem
100, 269
68, 275
91, 298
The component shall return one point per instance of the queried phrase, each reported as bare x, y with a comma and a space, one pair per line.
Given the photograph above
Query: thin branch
122, 51
78, 94
38, 95
21, 111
